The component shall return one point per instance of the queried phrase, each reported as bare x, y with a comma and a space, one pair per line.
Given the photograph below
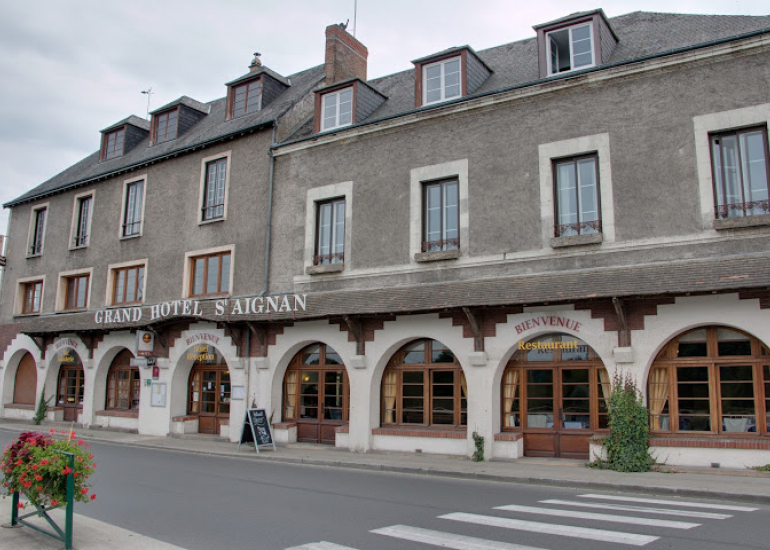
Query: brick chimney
345, 56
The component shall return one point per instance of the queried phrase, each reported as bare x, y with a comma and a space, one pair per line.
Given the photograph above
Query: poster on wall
158, 398
145, 342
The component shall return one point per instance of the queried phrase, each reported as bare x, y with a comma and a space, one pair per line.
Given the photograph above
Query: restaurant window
712, 380
741, 173
330, 232
165, 126
214, 190
441, 216
32, 297
123, 383
441, 80
337, 109
576, 189
424, 386
132, 213
570, 48
112, 144
37, 231
128, 285
210, 274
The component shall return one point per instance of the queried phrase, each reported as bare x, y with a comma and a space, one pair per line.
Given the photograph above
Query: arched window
25, 383
424, 385
123, 383
712, 380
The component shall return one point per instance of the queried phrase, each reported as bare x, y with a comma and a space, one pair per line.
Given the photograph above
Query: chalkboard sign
256, 429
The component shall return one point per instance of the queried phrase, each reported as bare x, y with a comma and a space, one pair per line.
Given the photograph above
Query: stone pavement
722, 484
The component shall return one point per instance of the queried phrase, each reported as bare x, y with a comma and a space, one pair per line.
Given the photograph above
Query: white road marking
674, 503
447, 540
622, 508
551, 529
650, 522
323, 545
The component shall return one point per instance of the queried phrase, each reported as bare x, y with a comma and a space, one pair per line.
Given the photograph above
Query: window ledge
576, 240
737, 223
321, 269
131, 413
26, 314
76, 310
437, 256
412, 432
183, 418
509, 436
214, 220
284, 425
129, 237
31, 256
24, 406
81, 247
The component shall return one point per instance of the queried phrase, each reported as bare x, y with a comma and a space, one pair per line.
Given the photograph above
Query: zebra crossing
583, 507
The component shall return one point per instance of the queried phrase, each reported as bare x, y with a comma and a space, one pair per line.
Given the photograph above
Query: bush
42, 408
478, 441
33, 465
628, 442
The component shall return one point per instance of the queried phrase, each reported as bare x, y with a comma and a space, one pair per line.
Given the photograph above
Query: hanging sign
256, 429
155, 373
145, 342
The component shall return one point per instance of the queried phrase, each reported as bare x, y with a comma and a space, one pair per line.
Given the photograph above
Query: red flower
34, 467
51, 431
38, 477
39, 488
79, 459
54, 502
8, 470
33, 442
66, 471
20, 505
80, 441
44, 462
91, 457
84, 490
76, 475
93, 496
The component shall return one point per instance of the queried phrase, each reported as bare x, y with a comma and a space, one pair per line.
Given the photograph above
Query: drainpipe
268, 236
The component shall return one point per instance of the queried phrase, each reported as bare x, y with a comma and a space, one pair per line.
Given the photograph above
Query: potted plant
36, 466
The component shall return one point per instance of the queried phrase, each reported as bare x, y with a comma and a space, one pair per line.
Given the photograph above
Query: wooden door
70, 393
210, 396
25, 385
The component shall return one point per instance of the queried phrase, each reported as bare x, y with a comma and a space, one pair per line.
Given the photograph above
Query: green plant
35, 466
42, 408
765, 468
478, 441
628, 441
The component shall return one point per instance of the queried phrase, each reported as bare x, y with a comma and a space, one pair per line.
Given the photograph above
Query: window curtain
464, 385
658, 388
291, 394
510, 385
390, 385
606, 385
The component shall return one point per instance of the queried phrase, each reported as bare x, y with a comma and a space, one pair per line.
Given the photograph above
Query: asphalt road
214, 503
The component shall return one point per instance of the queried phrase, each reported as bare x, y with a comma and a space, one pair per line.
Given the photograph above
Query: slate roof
133, 120
654, 280
640, 34
211, 127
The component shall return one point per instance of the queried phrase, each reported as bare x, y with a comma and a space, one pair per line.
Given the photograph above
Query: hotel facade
479, 244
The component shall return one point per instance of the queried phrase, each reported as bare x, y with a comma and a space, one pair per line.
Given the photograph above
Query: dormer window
246, 98
112, 144
337, 109
570, 49
450, 74
165, 126
442, 80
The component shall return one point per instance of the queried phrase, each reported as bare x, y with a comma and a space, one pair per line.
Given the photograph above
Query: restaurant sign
230, 307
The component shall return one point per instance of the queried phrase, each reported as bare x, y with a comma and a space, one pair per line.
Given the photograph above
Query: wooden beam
236, 339
260, 333
473, 320
624, 335
356, 328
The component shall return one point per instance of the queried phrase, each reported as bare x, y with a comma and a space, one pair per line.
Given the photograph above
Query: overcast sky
71, 68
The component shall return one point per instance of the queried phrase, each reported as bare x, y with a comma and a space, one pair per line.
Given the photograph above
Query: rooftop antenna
355, 15
148, 92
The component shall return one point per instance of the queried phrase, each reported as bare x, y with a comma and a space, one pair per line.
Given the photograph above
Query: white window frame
76, 220
584, 145
441, 64
342, 190
418, 176
570, 29
227, 155
108, 298
61, 290
123, 220
32, 227
336, 95
188, 269
18, 304
703, 127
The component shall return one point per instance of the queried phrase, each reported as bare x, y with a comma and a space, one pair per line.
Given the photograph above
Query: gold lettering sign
66, 356
571, 345
201, 352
